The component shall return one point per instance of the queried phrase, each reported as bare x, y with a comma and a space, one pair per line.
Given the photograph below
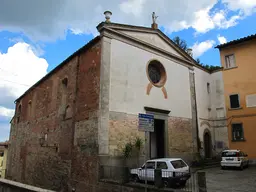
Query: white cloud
205, 21
20, 68
201, 48
222, 39
6, 112
134, 7
247, 7
43, 20
4, 131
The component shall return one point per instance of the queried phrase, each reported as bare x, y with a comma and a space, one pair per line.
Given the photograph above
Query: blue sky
35, 37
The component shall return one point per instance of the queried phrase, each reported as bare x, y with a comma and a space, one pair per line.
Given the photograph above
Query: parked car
173, 169
234, 158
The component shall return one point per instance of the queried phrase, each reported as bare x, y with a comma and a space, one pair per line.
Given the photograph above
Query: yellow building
3, 158
238, 59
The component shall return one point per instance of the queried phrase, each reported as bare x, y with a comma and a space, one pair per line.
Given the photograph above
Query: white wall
218, 102
128, 83
202, 96
218, 99
213, 101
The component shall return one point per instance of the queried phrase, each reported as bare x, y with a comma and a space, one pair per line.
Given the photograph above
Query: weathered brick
123, 128
50, 165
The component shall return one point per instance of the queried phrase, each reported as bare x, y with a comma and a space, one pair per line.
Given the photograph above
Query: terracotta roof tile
237, 41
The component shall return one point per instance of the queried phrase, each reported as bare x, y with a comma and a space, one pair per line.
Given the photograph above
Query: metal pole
145, 159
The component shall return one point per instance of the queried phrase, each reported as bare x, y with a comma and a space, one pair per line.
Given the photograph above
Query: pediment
153, 37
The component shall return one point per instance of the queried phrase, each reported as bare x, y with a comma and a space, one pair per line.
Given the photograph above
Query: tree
181, 43
198, 61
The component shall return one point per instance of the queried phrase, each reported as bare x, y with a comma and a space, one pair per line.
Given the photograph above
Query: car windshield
178, 164
229, 154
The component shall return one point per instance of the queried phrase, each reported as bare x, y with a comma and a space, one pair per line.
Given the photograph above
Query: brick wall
180, 138
85, 143
123, 128
53, 109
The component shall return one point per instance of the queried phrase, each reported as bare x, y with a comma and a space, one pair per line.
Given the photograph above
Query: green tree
183, 45
180, 42
198, 61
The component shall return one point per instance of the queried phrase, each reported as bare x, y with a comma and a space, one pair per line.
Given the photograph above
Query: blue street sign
146, 122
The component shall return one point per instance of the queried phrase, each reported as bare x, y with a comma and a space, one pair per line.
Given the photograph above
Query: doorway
157, 140
207, 145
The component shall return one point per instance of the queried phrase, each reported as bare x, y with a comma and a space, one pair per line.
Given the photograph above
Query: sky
36, 36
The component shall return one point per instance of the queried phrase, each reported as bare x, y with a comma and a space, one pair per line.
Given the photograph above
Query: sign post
146, 124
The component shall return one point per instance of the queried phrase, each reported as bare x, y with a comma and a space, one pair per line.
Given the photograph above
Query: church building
83, 113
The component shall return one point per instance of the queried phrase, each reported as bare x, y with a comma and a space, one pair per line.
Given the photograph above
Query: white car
234, 158
172, 168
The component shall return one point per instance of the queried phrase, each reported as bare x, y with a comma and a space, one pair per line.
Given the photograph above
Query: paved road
218, 180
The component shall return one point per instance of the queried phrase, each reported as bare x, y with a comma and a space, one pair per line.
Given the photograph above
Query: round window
156, 73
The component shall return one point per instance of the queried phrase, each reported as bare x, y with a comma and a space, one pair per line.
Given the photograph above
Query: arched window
65, 82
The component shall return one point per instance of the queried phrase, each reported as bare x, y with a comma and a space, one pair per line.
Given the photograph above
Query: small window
178, 164
234, 101
208, 88
229, 154
230, 61
161, 165
237, 132
150, 165
65, 82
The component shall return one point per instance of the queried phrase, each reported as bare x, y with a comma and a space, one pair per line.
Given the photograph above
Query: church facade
84, 112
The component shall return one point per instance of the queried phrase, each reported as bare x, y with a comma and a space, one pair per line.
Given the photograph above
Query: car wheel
135, 178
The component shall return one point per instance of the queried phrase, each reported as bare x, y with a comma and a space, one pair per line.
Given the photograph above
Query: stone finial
107, 16
190, 52
154, 24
